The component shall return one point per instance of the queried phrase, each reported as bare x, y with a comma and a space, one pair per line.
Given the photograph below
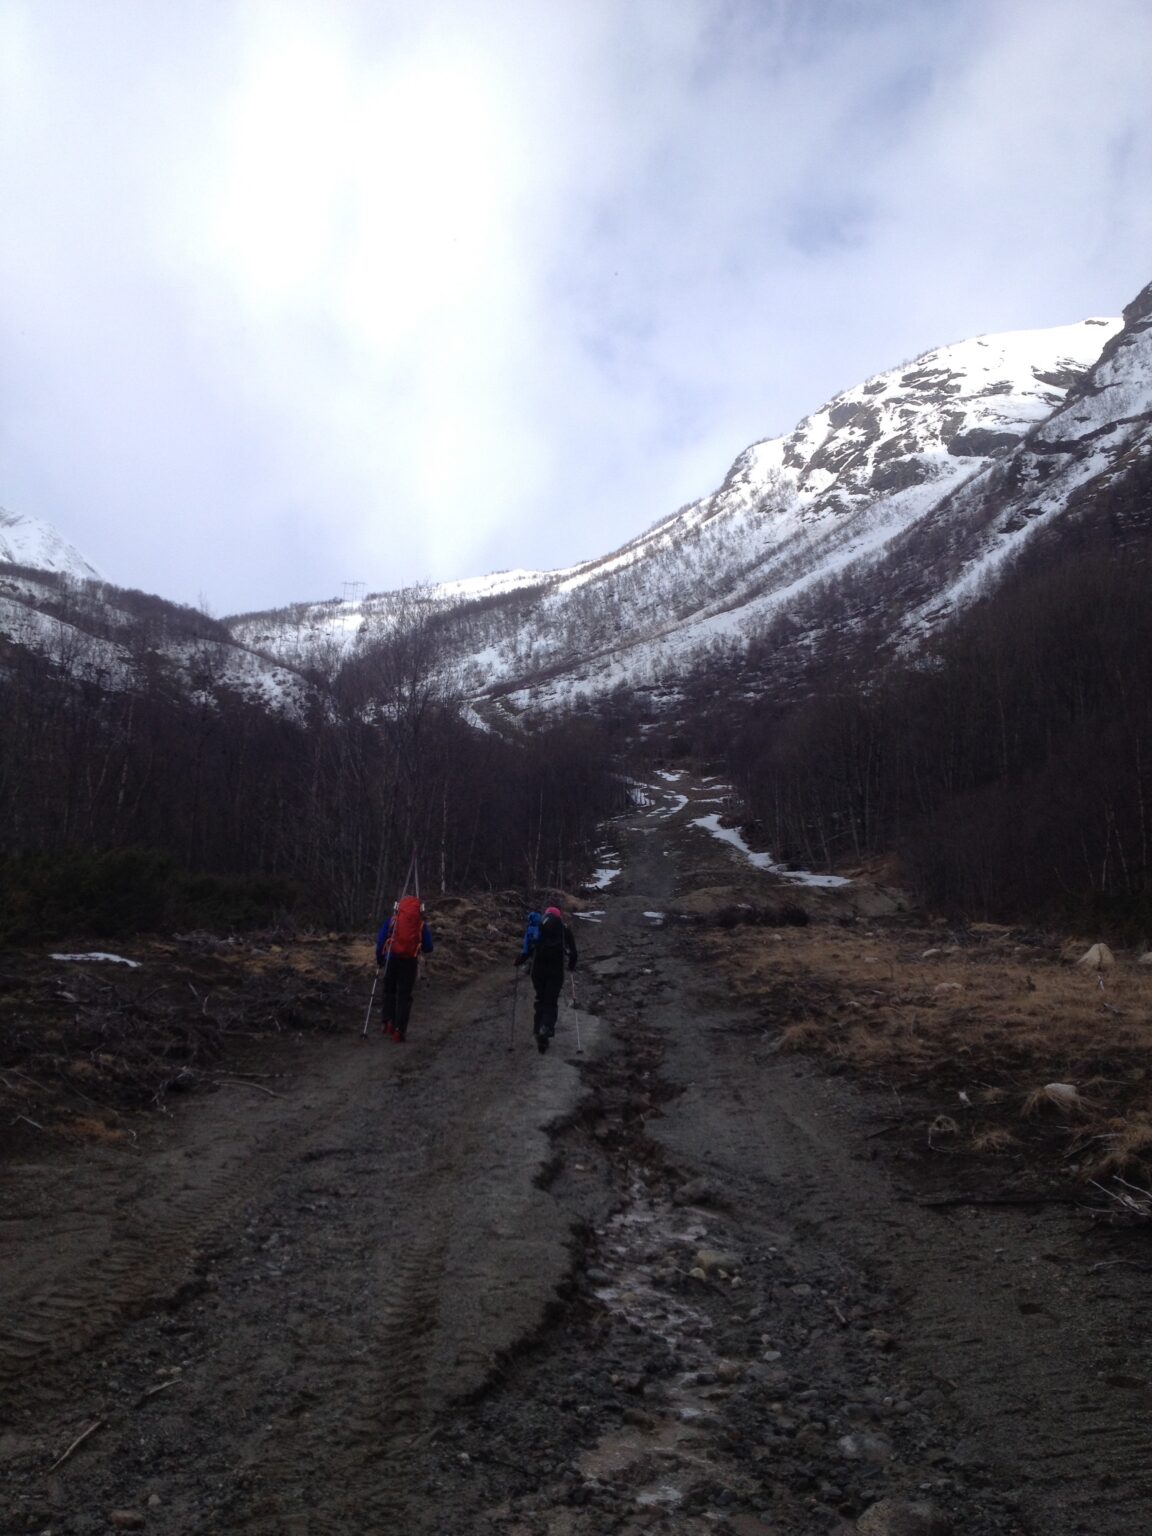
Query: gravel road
665, 1283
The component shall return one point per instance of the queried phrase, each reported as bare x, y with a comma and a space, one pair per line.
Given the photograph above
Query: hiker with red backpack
403, 939
547, 942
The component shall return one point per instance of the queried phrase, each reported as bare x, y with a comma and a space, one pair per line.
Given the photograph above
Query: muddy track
668, 1285
312, 1277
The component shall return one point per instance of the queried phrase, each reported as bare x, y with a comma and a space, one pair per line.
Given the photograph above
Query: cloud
299, 292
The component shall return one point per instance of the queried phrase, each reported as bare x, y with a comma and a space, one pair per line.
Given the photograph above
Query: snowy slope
908, 490
93, 633
792, 512
1100, 433
29, 541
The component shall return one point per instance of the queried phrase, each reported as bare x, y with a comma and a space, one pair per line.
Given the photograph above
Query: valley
714, 1263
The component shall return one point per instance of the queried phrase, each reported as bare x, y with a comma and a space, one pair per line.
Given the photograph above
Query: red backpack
407, 929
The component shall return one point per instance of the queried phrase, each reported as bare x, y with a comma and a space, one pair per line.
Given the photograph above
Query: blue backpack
532, 932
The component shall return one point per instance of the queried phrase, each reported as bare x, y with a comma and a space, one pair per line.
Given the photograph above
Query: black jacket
548, 953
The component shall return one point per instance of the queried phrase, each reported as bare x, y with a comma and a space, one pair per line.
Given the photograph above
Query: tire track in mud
361, 1474
367, 1252
141, 1249
1019, 1361
1050, 1364
134, 1264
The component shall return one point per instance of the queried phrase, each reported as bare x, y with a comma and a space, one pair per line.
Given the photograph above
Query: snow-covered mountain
902, 495
32, 542
1090, 445
836, 495
54, 602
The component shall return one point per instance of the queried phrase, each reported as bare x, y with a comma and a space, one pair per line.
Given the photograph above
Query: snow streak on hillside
1077, 451
792, 513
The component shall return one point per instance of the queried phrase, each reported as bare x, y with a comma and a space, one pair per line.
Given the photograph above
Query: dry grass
995, 1141
1124, 1149
83, 1044
986, 1017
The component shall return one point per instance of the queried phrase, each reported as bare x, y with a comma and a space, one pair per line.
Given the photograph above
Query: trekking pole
575, 1015
512, 1022
371, 1000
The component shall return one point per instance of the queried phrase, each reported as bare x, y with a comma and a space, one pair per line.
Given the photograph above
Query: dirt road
662, 1284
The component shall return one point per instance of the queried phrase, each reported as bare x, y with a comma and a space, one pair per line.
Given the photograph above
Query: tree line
1008, 765
151, 800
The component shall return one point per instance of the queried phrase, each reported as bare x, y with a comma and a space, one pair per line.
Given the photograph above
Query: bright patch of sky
295, 293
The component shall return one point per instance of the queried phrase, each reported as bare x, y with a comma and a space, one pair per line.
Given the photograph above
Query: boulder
1098, 958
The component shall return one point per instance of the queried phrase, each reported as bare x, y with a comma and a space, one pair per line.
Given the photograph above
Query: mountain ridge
910, 487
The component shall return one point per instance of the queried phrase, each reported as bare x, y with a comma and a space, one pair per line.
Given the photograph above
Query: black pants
547, 984
399, 980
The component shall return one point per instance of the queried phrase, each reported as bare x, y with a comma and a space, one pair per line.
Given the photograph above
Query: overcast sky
300, 292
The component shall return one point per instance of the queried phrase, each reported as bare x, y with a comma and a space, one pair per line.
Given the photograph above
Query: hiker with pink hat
548, 942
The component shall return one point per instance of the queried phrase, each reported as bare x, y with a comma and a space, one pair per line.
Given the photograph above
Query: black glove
519, 961
571, 965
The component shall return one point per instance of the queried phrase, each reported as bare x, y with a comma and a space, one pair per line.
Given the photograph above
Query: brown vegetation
84, 1045
1032, 1057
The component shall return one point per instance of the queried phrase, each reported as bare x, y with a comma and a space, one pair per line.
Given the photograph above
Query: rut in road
857, 1349
319, 1274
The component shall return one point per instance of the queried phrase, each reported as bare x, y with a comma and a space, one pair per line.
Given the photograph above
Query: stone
880, 1338
709, 1259
611, 965
898, 1517
696, 1192
863, 1445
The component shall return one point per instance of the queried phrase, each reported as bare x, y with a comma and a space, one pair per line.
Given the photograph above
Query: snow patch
711, 824
99, 955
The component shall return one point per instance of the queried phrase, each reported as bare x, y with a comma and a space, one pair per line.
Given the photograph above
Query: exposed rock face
1090, 447
981, 442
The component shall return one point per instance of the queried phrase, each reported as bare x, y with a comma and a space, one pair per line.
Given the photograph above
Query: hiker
547, 940
399, 945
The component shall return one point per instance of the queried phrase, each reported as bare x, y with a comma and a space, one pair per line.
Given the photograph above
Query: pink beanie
554, 912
